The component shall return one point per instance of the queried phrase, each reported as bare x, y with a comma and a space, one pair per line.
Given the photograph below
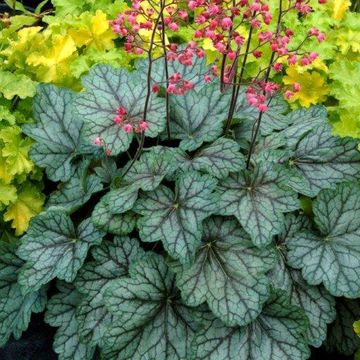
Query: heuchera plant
192, 243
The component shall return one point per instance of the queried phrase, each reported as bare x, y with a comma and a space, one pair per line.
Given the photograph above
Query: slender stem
236, 88
259, 119
148, 94
167, 95
355, 5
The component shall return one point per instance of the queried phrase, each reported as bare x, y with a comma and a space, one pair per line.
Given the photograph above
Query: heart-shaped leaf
146, 174
332, 256
106, 89
117, 224
321, 160
57, 132
76, 192
257, 199
278, 333
60, 312
176, 219
317, 303
217, 159
197, 117
228, 273
111, 261
15, 309
53, 248
150, 321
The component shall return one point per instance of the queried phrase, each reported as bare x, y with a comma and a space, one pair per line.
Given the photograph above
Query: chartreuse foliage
187, 255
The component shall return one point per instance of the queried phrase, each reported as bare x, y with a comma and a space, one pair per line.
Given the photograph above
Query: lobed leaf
53, 248
332, 256
278, 333
228, 273
57, 132
106, 90
176, 219
258, 200
150, 319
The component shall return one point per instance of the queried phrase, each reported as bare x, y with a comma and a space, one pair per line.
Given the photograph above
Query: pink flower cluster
122, 119
220, 21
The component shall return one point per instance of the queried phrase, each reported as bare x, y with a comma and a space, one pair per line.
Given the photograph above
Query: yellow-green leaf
28, 204
7, 193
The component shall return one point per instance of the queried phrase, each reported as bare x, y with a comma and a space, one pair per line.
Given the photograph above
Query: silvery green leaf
217, 159
117, 224
76, 192
61, 313
57, 132
332, 255
278, 333
321, 160
111, 262
151, 322
197, 117
15, 308
258, 199
176, 218
52, 247
228, 273
106, 89
146, 174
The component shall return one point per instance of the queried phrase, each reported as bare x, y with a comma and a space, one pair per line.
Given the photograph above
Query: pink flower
257, 54
155, 88
173, 27
97, 141
277, 67
226, 23
143, 125
289, 94
263, 107
296, 87
127, 128
207, 78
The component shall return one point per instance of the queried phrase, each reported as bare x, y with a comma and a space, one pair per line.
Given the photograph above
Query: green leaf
258, 199
321, 160
107, 89
272, 119
117, 224
53, 248
12, 84
342, 337
57, 132
216, 159
197, 117
303, 120
111, 261
150, 321
61, 313
146, 174
317, 303
228, 273
332, 255
15, 309
278, 333
76, 192
176, 219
